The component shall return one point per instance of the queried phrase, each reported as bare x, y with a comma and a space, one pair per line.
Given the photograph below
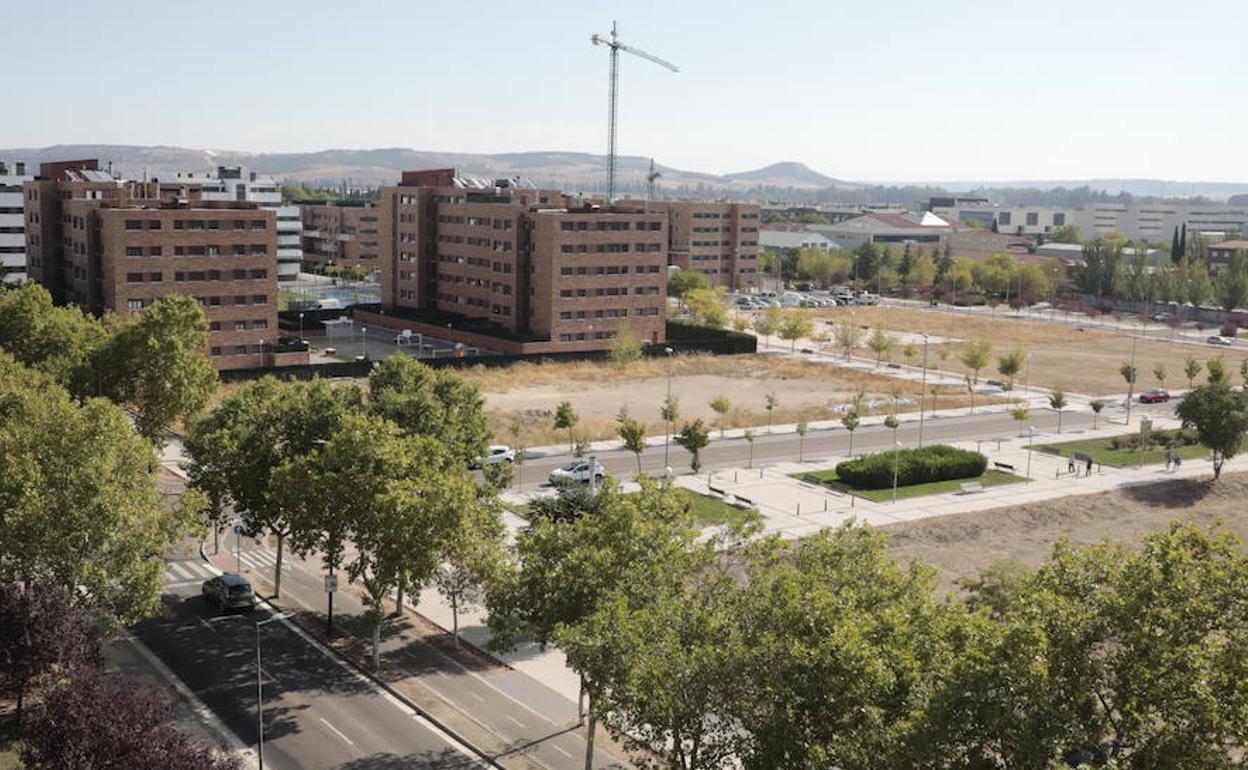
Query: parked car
578, 470
229, 592
1162, 317
867, 298
1219, 340
497, 453
1154, 396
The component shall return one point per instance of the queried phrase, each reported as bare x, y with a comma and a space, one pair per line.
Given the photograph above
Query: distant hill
570, 171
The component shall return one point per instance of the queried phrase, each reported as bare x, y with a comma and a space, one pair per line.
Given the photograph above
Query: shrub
914, 466
1158, 437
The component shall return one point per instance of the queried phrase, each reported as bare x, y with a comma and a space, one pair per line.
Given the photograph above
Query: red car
1154, 396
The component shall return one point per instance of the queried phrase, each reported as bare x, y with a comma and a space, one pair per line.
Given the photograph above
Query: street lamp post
260, 688
923, 393
667, 410
364, 340
896, 446
1031, 440
301, 327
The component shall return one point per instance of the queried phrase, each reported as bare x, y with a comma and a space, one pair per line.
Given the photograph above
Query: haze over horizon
908, 91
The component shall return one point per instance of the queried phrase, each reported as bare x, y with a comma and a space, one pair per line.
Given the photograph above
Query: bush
1164, 438
914, 466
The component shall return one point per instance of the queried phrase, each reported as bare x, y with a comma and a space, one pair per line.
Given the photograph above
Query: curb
351, 665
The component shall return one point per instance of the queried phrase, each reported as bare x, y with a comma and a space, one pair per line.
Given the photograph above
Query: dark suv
229, 592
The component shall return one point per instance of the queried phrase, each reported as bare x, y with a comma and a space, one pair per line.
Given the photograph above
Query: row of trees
373, 480
752, 652
152, 363
1111, 270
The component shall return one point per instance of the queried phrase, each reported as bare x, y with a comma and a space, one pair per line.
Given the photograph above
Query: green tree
721, 406
707, 308
1219, 413
693, 438
880, 343
749, 439
1231, 287
1096, 405
59, 341
803, 428
923, 273
1067, 234
626, 348
1216, 369
685, 281
770, 405
633, 433
767, 323
78, 499
566, 418
262, 426
426, 402
155, 365
1159, 371
847, 336
1021, 414
1191, 368
975, 356
851, 421
471, 560
795, 325
1057, 401
1129, 375
1009, 365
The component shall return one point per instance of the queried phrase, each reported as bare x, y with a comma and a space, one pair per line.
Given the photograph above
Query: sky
865, 91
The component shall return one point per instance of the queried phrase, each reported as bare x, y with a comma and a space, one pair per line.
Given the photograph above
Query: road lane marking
336, 731
206, 624
180, 571
561, 751
478, 697
517, 722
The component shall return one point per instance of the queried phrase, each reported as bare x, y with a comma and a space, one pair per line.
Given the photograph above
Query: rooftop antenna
616, 46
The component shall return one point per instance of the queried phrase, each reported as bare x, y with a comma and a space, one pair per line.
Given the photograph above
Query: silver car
229, 592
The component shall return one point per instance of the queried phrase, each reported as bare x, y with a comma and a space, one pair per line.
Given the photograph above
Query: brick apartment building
719, 240
111, 245
519, 269
344, 234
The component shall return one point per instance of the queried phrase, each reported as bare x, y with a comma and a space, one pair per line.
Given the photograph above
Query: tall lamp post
301, 327
1031, 440
364, 340
923, 393
667, 410
896, 446
260, 687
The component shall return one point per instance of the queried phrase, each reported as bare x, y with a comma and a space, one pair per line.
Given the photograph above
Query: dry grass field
960, 545
527, 393
1061, 356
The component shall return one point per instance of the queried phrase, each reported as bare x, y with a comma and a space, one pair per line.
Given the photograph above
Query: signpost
238, 547
331, 583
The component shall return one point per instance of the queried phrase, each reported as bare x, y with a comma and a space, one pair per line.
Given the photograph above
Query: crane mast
612, 42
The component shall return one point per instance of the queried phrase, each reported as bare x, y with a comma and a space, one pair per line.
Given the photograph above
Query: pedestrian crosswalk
264, 560
186, 572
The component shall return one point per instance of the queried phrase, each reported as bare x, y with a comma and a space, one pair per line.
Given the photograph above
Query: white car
867, 299
498, 453
1219, 340
578, 470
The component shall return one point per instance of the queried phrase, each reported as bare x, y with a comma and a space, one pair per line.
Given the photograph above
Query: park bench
1003, 467
971, 487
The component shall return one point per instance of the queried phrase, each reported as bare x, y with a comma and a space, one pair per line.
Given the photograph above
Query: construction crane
650, 177
613, 42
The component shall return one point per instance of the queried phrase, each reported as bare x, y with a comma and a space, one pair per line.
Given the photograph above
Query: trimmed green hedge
1158, 437
914, 466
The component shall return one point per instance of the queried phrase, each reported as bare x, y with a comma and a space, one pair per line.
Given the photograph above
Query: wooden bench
1003, 467
971, 487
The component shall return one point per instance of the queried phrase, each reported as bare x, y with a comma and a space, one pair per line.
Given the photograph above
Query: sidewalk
517, 719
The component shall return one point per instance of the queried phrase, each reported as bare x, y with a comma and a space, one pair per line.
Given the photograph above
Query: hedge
1177, 437
914, 466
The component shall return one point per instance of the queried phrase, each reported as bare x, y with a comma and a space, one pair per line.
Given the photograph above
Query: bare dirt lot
529, 393
960, 545
1062, 357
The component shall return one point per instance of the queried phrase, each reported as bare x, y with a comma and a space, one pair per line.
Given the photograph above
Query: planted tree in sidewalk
693, 438
910, 351
1219, 413
892, 423
767, 323
721, 406
1009, 365
438, 403
1191, 368
472, 558
1159, 371
975, 356
1057, 400
633, 433
1021, 414
1129, 374
566, 419
847, 337
880, 343
770, 405
262, 426
42, 636
1216, 370
1096, 405
795, 325
851, 420
626, 347
803, 428
749, 439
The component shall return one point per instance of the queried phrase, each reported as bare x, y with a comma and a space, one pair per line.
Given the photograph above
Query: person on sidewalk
1089, 465
1169, 460
1070, 465
1178, 463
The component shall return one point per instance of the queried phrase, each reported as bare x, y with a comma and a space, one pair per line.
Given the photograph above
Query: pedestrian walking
1089, 465
1070, 465
1169, 459
1178, 463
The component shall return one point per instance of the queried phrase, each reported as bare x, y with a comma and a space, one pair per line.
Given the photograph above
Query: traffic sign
331, 583
238, 529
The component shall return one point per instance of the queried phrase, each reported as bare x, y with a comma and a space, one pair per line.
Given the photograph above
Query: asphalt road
829, 442
318, 714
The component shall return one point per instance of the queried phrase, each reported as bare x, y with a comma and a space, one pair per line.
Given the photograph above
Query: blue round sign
238, 529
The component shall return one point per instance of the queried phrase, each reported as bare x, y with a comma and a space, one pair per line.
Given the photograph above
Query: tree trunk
580, 703
638, 463
277, 570
1217, 466
589, 744
455, 618
851, 443
377, 642
398, 602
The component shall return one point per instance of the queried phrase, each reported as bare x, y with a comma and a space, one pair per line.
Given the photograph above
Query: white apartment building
12, 222
1138, 221
235, 183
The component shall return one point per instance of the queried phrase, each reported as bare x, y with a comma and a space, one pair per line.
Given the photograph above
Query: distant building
1221, 254
13, 222
719, 240
112, 245
503, 265
235, 183
788, 241
918, 228
1139, 221
344, 234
